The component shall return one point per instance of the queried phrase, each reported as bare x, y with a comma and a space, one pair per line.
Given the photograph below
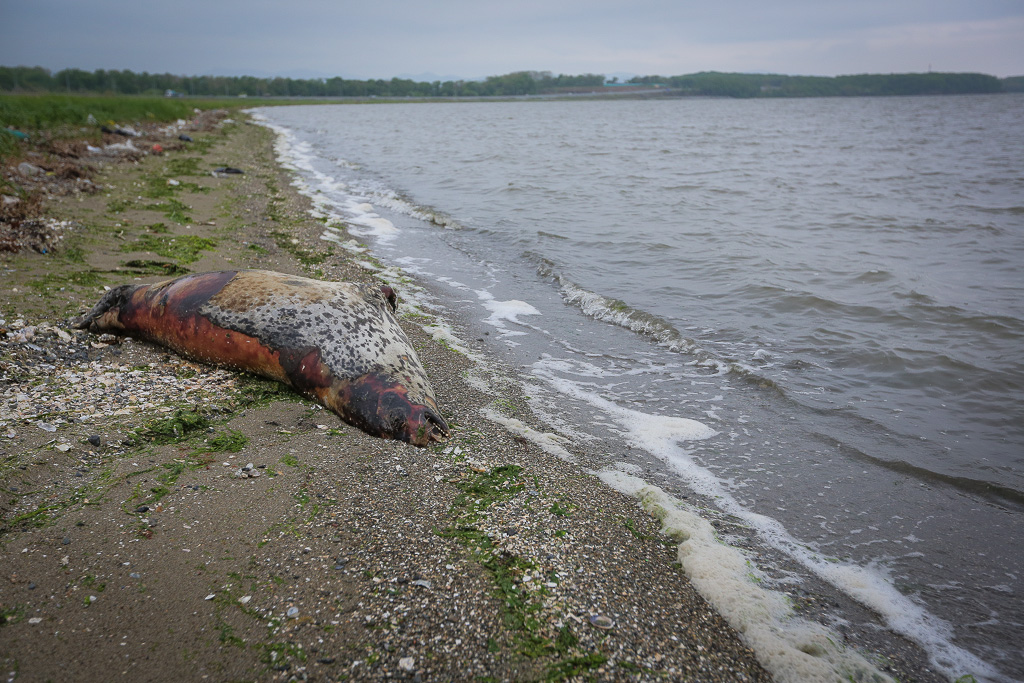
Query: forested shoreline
22, 79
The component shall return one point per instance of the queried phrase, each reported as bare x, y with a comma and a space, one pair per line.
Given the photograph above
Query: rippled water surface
835, 286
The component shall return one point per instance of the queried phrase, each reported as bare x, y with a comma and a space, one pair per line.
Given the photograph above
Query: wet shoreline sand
226, 529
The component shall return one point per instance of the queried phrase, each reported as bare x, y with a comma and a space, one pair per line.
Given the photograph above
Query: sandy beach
168, 521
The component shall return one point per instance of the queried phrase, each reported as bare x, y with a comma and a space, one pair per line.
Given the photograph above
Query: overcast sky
476, 38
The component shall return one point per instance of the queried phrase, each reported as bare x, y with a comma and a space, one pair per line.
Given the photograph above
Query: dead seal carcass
336, 342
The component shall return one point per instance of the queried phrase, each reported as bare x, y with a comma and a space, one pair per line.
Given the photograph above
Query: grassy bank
81, 116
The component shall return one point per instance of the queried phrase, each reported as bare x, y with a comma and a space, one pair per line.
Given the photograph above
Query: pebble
247, 472
293, 612
142, 508
94, 440
27, 169
406, 663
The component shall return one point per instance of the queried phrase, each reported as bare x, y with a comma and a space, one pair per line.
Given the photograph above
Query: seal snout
413, 423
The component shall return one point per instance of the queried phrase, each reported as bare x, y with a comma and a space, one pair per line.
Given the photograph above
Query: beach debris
15, 133
227, 170
125, 131
601, 621
185, 138
27, 169
407, 664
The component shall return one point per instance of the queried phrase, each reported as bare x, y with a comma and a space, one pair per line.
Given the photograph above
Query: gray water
832, 285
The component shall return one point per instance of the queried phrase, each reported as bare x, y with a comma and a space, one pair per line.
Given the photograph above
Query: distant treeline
773, 85
23, 79
38, 79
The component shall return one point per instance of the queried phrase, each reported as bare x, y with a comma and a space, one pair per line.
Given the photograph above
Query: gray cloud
472, 38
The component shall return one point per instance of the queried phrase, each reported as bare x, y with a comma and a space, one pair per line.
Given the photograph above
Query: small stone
422, 582
94, 440
601, 621
407, 664
35, 620
27, 169
142, 508
211, 596
135, 575
244, 599
293, 612
66, 541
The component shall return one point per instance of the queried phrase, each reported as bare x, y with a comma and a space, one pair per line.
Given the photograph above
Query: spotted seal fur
336, 342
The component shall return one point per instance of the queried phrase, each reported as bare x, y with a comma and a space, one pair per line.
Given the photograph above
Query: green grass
231, 441
78, 278
39, 112
182, 248
179, 166
153, 267
178, 427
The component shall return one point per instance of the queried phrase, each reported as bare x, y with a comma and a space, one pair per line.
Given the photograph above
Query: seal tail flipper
111, 302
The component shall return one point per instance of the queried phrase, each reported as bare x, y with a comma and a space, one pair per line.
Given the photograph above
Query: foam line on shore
660, 436
792, 649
